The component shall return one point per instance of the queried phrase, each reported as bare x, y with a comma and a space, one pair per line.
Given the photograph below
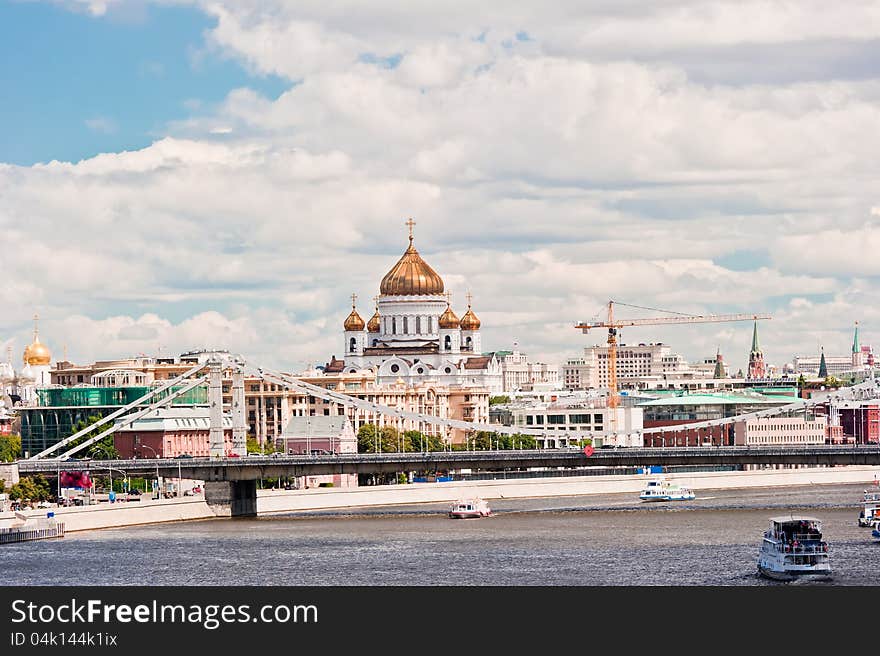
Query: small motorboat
469, 509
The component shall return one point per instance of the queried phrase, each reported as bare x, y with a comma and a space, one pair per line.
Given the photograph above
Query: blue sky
73, 85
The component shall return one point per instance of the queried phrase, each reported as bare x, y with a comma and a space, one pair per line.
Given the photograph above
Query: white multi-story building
517, 373
634, 362
835, 364
567, 421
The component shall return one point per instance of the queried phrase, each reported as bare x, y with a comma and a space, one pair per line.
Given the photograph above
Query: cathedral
22, 386
414, 336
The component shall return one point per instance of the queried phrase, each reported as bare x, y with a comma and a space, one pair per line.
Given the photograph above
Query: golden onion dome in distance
469, 321
373, 324
36, 354
354, 321
411, 276
448, 319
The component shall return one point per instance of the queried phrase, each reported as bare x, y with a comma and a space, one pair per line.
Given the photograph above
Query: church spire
856, 348
823, 367
719, 365
756, 358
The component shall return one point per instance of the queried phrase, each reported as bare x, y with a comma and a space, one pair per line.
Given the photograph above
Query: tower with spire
355, 338
756, 358
857, 356
719, 365
823, 366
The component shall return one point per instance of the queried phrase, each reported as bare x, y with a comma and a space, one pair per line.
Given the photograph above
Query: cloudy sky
225, 173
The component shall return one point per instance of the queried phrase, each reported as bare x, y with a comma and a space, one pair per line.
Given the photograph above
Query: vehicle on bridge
793, 548
662, 490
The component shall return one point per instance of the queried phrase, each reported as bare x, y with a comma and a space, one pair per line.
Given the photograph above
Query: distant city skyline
227, 174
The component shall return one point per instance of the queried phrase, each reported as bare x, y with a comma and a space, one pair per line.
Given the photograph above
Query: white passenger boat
662, 490
469, 509
875, 530
870, 508
793, 548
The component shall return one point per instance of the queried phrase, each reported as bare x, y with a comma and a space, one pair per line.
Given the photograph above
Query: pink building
320, 436
170, 432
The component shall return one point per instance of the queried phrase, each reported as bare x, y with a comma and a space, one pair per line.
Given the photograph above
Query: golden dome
411, 276
36, 353
373, 324
448, 319
354, 321
469, 321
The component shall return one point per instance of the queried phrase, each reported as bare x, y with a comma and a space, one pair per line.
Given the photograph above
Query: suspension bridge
230, 482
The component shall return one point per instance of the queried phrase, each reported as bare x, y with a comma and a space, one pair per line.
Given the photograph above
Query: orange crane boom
614, 324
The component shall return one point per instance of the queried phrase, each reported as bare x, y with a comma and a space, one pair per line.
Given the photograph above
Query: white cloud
546, 175
102, 125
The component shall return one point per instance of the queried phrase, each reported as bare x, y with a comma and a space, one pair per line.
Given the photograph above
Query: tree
10, 448
497, 400
372, 439
253, 446
31, 488
418, 441
102, 449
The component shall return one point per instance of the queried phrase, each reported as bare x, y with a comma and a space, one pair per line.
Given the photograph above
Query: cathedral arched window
447, 343
351, 344
393, 325
468, 343
405, 326
418, 325
375, 342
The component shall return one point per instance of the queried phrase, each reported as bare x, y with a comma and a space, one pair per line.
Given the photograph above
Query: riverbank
269, 502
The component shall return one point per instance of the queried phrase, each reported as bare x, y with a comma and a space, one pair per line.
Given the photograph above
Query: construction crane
614, 325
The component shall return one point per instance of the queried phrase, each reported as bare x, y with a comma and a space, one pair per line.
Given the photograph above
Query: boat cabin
795, 530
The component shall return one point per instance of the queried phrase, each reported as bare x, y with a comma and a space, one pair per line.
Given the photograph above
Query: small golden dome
469, 321
354, 321
373, 324
411, 276
448, 319
36, 353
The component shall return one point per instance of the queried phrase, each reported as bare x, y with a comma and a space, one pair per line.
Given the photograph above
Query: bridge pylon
239, 427
215, 412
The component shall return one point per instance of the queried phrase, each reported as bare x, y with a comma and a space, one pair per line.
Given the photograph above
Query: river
599, 540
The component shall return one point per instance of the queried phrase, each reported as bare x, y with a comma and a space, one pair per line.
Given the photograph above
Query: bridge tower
239, 427
215, 413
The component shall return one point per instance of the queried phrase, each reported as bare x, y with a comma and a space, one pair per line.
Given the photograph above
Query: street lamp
109, 468
156, 456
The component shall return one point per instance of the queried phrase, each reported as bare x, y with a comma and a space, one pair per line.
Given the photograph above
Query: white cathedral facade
414, 336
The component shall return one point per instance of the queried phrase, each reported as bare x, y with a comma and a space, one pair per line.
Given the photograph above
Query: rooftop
720, 399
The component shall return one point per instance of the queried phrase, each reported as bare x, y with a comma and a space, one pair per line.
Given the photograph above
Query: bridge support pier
232, 498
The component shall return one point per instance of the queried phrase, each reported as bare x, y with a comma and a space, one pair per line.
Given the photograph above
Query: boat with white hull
662, 490
469, 509
793, 548
870, 508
